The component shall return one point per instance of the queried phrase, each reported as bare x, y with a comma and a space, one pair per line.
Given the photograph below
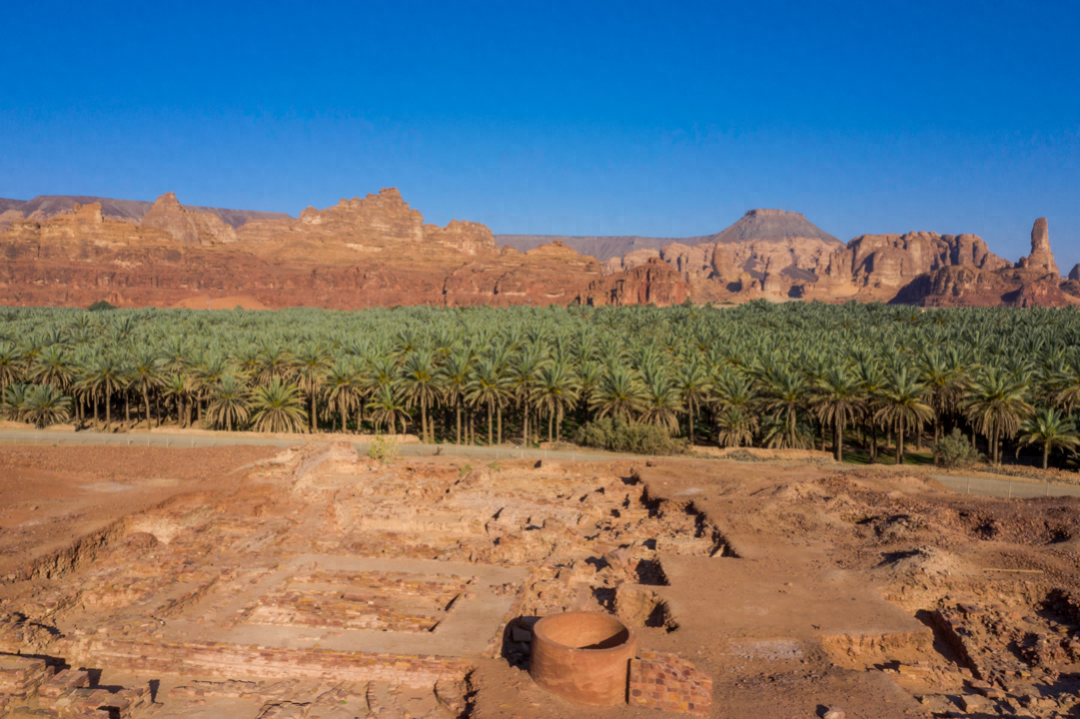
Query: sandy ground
796, 587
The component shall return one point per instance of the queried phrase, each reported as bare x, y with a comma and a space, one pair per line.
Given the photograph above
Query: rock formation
1033, 282
360, 253
1074, 274
654, 282
186, 225
1041, 258
45, 207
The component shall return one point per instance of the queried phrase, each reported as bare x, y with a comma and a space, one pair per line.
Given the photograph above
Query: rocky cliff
1034, 281
185, 225
773, 255
360, 253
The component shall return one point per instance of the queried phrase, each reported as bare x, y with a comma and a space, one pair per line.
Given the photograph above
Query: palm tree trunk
558, 425
343, 411
127, 407
498, 412
900, 442
525, 423
312, 418
839, 440
108, 412
691, 422
791, 428
146, 404
1046, 455
457, 409
490, 428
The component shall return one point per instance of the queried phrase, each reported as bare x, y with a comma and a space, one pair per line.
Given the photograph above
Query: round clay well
583, 656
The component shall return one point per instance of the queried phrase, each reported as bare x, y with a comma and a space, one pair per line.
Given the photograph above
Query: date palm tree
178, 389
102, 379
489, 387
309, 368
996, 406
456, 377
10, 366
146, 376
344, 389
53, 366
619, 393
386, 407
556, 391
835, 402
692, 383
1052, 430
662, 400
786, 393
230, 403
15, 397
46, 405
735, 426
421, 385
278, 407
904, 403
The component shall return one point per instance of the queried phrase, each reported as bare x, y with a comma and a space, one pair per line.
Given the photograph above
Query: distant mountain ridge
760, 224
47, 206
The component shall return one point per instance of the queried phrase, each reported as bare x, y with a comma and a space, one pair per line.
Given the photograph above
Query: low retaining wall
237, 660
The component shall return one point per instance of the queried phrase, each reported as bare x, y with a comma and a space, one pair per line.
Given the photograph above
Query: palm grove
877, 378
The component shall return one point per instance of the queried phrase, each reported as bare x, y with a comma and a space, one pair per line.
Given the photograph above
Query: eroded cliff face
186, 225
918, 268
361, 253
1034, 282
654, 282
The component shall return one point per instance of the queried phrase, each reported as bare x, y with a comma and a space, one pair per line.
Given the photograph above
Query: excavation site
315, 583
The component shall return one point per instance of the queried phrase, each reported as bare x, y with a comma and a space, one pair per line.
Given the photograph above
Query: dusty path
983, 486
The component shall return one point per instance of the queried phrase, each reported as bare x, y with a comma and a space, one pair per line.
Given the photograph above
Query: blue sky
651, 118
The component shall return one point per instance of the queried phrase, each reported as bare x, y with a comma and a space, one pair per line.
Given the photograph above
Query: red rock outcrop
1074, 274
185, 225
1034, 282
1041, 258
654, 282
361, 253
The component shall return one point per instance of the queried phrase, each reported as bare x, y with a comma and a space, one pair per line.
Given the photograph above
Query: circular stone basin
583, 656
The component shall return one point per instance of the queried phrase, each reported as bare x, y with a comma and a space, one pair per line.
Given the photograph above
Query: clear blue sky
651, 118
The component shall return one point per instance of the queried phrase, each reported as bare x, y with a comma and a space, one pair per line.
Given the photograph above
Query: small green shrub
955, 450
384, 449
463, 470
101, 305
494, 467
619, 435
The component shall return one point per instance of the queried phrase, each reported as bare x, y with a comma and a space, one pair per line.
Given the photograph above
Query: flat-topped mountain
775, 225
761, 224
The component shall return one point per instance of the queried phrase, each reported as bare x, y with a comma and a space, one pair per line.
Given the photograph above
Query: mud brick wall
236, 660
20, 677
951, 624
667, 683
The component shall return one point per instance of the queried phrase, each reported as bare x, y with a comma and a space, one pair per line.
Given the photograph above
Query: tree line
799, 375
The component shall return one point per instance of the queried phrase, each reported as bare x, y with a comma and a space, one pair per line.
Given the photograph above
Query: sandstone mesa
378, 251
